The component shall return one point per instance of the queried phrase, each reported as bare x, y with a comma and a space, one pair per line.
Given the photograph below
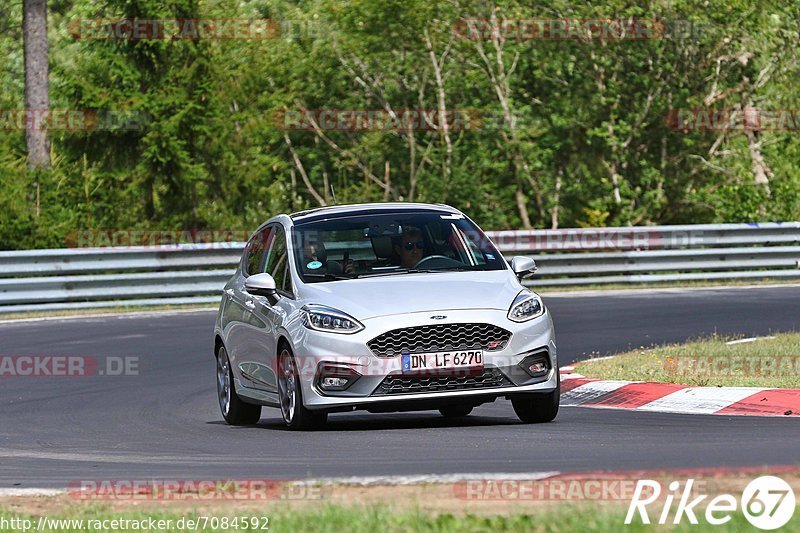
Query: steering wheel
430, 258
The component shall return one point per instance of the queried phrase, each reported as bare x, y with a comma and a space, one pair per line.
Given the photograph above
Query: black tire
537, 408
298, 418
456, 411
234, 410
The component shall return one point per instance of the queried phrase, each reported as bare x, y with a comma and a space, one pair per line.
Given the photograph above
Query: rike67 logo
767, 502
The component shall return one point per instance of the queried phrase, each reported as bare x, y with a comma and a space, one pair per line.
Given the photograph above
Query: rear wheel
455, 411
234, 410
537, 408
290, 393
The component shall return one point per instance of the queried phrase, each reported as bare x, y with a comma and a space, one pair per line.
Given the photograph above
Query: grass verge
765, 362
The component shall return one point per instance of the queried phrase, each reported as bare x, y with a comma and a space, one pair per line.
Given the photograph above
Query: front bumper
314, 348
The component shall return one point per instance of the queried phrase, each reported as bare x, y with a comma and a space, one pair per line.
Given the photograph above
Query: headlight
526, 306
324, 318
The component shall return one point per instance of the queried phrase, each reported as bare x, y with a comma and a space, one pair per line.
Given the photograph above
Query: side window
278, 261
256, 252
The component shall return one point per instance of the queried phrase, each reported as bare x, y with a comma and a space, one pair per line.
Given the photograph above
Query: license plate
455, 360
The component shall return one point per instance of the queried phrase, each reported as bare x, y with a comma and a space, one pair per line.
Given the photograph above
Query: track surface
165, 421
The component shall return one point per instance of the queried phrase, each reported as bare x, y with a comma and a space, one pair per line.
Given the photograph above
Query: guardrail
195, 273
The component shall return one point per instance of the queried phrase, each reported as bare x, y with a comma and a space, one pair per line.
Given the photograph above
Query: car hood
367, 298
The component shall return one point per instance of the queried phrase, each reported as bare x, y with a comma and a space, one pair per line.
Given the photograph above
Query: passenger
314, 253
315, 257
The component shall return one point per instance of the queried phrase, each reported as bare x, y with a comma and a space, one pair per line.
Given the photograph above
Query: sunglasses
410, 245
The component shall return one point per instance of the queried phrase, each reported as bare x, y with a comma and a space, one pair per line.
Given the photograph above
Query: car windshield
391, 244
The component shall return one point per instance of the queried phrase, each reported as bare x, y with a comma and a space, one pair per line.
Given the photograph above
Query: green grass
333, 519
708, 362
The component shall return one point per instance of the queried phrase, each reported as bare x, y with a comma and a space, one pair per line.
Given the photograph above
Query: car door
277, 265
247, 325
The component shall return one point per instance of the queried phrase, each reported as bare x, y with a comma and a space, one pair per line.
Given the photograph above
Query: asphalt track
164, 422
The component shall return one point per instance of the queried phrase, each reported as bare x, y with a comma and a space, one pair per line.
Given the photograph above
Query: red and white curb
577, 390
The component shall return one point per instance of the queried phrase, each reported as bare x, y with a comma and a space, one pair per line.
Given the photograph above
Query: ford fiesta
381, 307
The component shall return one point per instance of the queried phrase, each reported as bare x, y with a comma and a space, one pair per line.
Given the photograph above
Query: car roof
365, 209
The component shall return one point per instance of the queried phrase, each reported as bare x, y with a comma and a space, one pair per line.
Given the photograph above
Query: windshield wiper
458, 269
402, 271
330, 276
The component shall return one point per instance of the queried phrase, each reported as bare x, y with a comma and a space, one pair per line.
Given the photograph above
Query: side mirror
523, 267
262, 285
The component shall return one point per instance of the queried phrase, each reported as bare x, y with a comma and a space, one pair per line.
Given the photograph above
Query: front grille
488, 379
439, 338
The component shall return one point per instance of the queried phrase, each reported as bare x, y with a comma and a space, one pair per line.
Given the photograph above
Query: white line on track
428, 478
6, 493
130, 314
104, 457
645, 291
598, 358
589, 392
699, 400
750, 339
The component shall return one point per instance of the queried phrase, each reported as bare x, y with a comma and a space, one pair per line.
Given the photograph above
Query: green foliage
590, 142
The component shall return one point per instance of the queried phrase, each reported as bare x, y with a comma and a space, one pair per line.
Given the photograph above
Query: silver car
381, 307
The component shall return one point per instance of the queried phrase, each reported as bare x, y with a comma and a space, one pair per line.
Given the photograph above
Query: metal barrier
195, 273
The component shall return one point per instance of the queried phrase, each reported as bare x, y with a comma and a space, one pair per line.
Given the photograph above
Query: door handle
250, 304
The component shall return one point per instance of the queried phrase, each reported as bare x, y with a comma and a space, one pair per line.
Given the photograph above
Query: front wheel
537, 408
290, 394
234, 410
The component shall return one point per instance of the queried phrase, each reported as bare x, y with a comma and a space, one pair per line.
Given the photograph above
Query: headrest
383, 247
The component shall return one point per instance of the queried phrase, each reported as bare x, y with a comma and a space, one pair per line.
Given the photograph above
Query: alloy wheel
223, 382
287, 386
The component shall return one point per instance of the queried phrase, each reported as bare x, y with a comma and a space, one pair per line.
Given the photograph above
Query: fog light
335, 378
329, 383
537, 368
537, 364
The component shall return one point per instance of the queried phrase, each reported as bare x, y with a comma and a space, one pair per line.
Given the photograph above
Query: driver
411, 247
